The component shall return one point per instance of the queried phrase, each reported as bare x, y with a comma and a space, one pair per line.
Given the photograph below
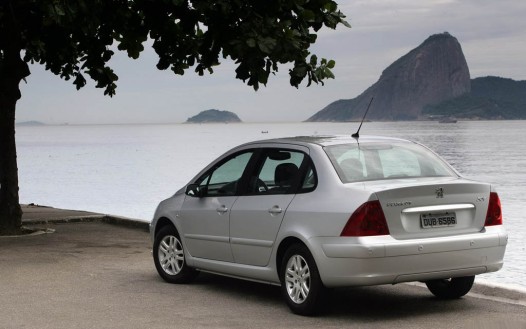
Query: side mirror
195, 190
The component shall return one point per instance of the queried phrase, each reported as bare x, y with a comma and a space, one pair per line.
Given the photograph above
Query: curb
127, 222
509, 294
109, 219
491, 291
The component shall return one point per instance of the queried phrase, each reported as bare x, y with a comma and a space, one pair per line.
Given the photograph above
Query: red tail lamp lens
494, 215
367, 220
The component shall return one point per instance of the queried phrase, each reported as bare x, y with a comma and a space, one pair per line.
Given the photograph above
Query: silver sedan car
310, 213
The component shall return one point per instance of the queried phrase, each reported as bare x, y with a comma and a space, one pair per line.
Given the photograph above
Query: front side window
223, 179
372, 161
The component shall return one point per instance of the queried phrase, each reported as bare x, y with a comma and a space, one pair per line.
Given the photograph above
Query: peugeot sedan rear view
311, 213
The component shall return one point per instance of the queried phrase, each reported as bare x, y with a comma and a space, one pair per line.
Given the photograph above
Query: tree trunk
12, 70
10, 211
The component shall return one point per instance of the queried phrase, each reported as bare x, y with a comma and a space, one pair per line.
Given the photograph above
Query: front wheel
451, 288
168, 256
301, 285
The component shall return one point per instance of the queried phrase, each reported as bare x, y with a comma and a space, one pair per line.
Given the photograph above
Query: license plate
438, 220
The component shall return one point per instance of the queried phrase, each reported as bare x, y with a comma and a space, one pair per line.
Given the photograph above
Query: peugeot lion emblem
440, 192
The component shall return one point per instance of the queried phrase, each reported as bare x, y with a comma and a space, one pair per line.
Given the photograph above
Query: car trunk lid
432, 207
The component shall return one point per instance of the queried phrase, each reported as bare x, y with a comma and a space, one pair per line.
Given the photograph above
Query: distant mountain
490, 98
429, 74
30, 123
211, 116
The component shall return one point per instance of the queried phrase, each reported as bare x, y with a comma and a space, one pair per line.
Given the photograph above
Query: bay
126, 170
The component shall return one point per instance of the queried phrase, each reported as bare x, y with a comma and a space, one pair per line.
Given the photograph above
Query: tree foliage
76, 39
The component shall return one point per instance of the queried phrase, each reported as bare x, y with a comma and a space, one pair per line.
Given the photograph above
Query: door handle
275, 210
222, 209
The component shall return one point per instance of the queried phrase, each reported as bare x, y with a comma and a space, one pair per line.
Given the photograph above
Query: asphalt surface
94, 274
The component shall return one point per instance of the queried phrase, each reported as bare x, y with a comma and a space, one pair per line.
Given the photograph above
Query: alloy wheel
297, 279
171, 255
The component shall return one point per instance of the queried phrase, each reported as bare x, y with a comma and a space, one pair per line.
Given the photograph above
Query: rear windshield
373, 161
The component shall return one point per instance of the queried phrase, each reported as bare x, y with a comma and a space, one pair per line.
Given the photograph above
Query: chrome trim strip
445, 207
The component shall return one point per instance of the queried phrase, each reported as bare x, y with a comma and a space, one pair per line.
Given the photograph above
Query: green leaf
58, 9
327, 73
308, 15
345, 23
251, 43
313, 60
330, 6
266, 45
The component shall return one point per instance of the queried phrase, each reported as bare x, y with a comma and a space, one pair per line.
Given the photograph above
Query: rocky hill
429, 74
490, 98
214, 116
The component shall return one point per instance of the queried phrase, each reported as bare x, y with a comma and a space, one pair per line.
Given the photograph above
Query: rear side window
373, 161
282, 171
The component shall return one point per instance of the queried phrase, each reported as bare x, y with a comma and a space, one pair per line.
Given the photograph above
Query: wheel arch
283, 246
162, 222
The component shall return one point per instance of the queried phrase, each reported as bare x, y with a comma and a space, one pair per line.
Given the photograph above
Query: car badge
439, 192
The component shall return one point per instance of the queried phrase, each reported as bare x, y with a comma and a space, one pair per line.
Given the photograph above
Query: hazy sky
492, 34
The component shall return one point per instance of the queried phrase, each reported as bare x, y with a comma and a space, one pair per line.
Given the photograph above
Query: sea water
126, 170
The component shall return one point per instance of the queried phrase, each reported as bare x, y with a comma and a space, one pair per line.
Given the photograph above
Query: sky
492, 35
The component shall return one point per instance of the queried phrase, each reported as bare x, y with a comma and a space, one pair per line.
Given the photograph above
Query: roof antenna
357, 133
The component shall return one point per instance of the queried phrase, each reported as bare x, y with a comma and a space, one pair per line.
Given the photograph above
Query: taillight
367, 220
494, 215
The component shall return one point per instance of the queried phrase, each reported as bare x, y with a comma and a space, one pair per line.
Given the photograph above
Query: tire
451, 288
169, 257
301, 285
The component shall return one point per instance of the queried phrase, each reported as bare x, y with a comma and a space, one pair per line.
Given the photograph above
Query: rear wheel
451, 288
301, 285
168, 256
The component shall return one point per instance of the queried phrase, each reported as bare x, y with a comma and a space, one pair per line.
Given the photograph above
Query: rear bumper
384, 260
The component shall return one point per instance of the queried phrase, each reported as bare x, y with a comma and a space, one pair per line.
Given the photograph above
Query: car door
257, 214
205, 217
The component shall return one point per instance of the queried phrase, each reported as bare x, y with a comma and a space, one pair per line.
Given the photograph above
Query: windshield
373, 161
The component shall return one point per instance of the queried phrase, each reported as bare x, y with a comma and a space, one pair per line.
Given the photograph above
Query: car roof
327, 140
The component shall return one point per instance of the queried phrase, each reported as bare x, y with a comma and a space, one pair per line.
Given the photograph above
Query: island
214, 116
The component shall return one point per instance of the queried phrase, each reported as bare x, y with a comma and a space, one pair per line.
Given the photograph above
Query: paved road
98, 275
